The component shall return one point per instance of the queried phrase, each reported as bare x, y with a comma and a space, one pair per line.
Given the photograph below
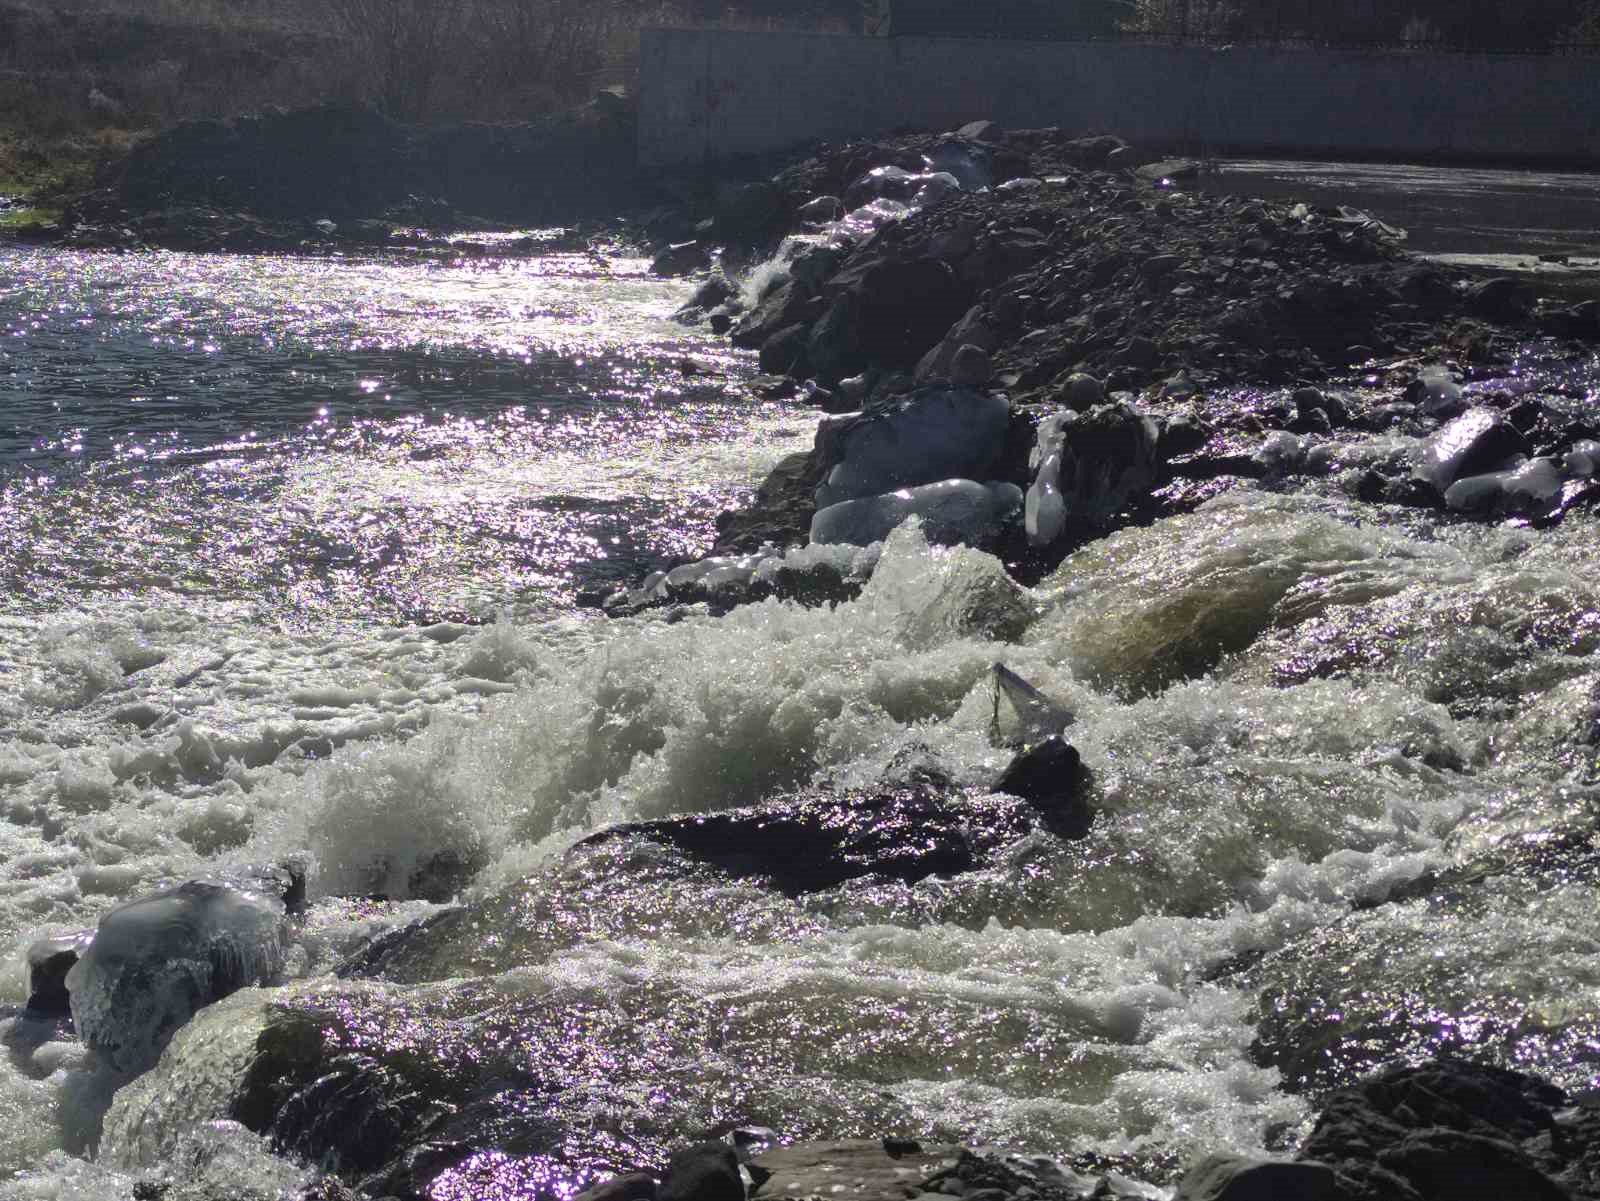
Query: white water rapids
1291, 703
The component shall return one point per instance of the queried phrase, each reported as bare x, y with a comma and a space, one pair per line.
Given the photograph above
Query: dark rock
885, 313
821, 210
1442, 1131
632, 1186
708, 1171
1480, 440
788, 304
1234, 1178
971, 367
681, 258
1106, 460
1501, 299
1050, 776
785, 351
973, 329
49, 961
818, 840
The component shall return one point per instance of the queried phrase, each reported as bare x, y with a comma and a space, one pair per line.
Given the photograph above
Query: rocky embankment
1029, 347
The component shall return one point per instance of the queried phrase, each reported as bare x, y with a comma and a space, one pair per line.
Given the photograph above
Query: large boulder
937, 434
885, 312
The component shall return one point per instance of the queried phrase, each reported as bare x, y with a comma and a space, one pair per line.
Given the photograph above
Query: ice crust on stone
953, 510
155, 961
1533, 481
1045, 512
941, 433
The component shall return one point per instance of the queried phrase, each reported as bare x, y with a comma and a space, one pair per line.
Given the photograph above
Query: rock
155, 960
631, 1186
1088, 467
1479, 441
885, 313
787, 305
1050, 776
937, 434
951, 511
971, 368
1082, 392
973, 329
854, 1170
785, 352
707, 1171
818, 840
1527, 488
821, 210
49, 961
1235, 1178
1443, 1131
1436, 393
1501, 299
981, 131
681, 258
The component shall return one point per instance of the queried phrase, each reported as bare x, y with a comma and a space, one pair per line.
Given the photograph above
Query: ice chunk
1038, 715
951, 511
156, 960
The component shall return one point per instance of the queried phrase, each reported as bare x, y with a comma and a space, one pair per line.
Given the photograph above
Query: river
291, 548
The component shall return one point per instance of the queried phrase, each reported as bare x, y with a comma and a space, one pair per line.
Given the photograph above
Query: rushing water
290, 548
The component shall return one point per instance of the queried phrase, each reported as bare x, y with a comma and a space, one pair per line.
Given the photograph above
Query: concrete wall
709, 94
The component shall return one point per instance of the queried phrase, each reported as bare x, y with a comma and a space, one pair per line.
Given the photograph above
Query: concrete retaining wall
706, 95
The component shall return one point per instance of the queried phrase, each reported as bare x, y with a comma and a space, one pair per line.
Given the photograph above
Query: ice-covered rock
1526, 486
940, 434
1583, 460
1089, 466
953, 510
156, 960
1479, 441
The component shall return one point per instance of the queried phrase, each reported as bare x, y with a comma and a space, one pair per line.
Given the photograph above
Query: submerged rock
819, 840
707, 1171
1050, 776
